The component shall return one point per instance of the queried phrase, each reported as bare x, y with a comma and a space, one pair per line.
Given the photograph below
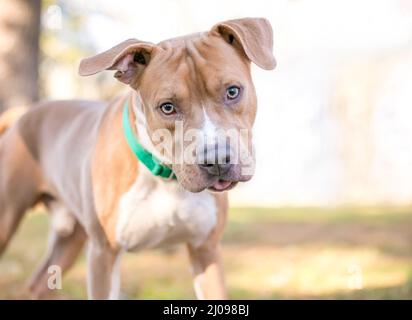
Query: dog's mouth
222, 185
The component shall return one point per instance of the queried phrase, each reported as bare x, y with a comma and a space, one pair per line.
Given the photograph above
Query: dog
96, 166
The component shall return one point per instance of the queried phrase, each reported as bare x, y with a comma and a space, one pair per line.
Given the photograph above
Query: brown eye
168, 108
232, 92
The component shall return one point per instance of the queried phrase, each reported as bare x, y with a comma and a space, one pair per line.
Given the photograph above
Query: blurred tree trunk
19, 52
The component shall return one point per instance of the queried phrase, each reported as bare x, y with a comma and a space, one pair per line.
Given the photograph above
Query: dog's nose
216, 161
216, 169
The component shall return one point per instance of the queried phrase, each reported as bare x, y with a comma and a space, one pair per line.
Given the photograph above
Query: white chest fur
155, 213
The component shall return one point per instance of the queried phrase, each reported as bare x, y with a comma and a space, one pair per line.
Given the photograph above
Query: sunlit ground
305, 253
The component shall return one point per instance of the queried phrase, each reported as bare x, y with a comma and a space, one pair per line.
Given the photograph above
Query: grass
282, 253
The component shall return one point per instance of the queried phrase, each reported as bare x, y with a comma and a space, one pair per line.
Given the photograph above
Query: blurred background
328, 213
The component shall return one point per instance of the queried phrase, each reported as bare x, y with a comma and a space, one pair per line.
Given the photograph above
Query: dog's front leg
207, 272
103, 272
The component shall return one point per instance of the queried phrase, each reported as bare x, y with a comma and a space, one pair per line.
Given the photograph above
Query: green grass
343, 214
281, 253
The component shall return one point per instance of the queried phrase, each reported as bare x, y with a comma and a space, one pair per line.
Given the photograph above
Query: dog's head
195, 102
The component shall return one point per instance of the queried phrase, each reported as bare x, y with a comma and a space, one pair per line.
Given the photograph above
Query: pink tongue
221, 185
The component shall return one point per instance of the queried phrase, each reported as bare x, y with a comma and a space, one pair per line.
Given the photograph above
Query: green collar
145, 157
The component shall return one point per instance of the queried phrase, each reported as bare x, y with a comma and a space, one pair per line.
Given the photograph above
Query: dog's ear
253, 35
129, 58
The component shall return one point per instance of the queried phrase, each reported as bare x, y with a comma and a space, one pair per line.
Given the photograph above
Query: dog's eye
168, 108
232, 92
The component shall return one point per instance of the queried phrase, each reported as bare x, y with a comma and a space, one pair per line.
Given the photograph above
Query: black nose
216, 162
216, 169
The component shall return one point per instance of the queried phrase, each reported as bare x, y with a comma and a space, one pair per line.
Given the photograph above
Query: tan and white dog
73, 156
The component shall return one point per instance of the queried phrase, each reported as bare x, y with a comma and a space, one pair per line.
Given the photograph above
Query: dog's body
73, 156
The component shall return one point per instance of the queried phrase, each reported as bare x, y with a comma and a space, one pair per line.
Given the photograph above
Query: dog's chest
154, 213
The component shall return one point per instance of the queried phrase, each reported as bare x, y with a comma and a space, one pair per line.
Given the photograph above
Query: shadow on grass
387, 229
401, 292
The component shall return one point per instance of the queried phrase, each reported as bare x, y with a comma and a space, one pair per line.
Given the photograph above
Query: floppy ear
129, 58
253, 35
